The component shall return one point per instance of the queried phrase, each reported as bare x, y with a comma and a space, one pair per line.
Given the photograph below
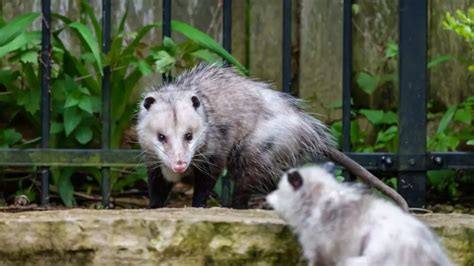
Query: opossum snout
179, 167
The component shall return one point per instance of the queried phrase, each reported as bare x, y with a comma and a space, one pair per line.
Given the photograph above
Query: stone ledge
176, 237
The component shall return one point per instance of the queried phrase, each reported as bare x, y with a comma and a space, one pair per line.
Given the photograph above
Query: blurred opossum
340, 224
210, 118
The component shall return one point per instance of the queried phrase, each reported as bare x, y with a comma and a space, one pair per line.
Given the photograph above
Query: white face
283, 199
173, 131
297, 185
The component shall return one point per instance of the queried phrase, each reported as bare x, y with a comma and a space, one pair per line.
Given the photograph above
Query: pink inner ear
148, 102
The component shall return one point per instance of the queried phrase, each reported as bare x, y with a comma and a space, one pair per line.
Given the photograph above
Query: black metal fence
411, 163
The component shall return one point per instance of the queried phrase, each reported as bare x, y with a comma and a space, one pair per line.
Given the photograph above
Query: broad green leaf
17, 43
463, 115
29, 57
164, 62
65, 187
170, 45
470, 142
374, 116
440, 59
83, 134
30, 100
15, 27
56, 127
206, 41
447, 117
207, 56
71, 101
72, 118
367, 82
389, 118
85, 104
9, 137
91, 42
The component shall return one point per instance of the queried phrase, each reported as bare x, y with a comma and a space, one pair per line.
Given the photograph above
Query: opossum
340, 224
210, 118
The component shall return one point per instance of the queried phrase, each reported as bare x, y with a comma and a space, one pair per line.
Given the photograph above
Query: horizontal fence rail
381, 161
411, 163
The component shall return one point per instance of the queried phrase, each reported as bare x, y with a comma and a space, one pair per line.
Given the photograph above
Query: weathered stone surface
146, 237
176, 236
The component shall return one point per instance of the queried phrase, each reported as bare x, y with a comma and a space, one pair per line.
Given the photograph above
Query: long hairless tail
366, 176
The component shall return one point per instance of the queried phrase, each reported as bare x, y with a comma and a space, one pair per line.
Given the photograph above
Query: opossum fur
340, 224
210, 118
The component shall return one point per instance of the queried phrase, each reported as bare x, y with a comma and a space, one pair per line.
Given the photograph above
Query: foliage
377, 130
77, 72
463, 25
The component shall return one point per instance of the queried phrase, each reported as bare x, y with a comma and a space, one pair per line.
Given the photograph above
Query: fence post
45, 93
412, 108
105, 144
346, 78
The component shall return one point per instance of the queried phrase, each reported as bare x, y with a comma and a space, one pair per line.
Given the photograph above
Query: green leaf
9, 137
164, 62
71, 101
392, 50
447, 117
95, 23
83, 134
15, 27
56, 127
144, 67
170, 45
206, 41
207, 56
367, 82
374, 116
91, 42
72, 118
355, 9
389, 118
463, 115
440, 59
29, 57
30, 100
470, 142
65, 187
86, 104
20, 41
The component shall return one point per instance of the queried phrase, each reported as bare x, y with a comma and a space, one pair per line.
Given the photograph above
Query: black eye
188, 136
161, 138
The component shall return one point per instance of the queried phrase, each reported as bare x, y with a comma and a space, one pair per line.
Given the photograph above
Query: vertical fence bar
286, 49
346, 76
227, 42
45, 92
346, 79
105, 171
412, 109
166, 28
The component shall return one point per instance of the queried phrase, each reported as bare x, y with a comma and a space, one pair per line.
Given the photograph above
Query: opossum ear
295, 179
148, 102
196, 102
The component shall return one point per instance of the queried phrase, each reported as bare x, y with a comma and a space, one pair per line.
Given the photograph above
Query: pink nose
179, 167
